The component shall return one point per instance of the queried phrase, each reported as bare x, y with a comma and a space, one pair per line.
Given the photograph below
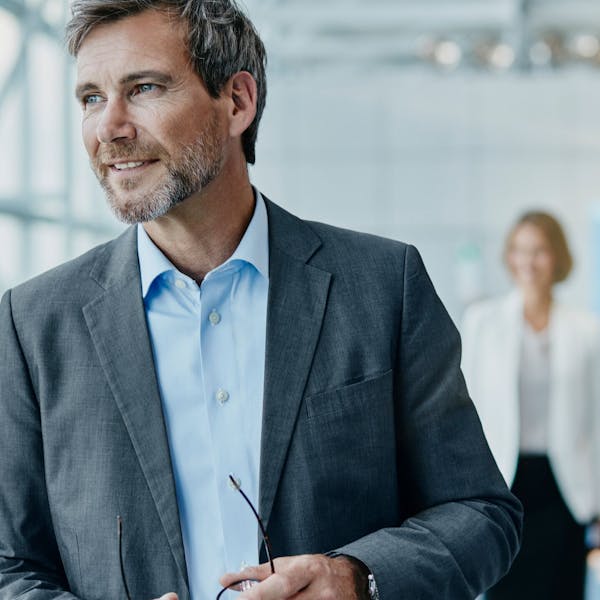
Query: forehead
149, 40
529, 234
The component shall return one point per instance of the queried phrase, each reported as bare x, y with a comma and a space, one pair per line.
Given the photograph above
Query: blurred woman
533, 369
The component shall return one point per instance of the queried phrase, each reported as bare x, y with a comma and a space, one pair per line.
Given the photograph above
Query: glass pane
11, 146
10, 34
47, 99
48, 246
54, 12
10, 259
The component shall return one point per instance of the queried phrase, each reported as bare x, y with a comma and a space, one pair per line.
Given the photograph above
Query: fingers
169, 596
276, 587
258, 573
298, 577
289, 578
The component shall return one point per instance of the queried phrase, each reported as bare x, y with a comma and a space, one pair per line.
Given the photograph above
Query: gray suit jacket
370, 444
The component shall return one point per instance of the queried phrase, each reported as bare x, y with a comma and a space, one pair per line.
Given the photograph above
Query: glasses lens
237, 587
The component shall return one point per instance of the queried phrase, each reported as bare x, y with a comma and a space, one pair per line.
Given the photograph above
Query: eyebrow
158, 76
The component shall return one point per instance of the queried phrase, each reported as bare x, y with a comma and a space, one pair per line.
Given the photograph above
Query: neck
204, 230
536, 307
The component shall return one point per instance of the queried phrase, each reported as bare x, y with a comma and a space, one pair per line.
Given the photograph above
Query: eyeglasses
243, 584
246, 583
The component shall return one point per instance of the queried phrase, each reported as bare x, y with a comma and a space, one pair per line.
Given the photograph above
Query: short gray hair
221, 41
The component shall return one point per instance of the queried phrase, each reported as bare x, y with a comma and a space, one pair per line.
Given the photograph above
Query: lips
129, 165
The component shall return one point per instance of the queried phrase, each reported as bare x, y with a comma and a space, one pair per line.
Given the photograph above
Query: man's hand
169, 596
306, 577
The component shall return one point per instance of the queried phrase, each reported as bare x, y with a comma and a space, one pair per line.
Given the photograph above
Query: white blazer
491, 335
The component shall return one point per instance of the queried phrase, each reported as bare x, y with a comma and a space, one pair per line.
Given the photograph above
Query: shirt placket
225, 414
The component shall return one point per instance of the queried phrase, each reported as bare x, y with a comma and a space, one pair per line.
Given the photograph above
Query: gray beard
196, 166
179, 184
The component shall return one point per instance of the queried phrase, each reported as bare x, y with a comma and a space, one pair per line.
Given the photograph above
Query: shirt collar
253, 249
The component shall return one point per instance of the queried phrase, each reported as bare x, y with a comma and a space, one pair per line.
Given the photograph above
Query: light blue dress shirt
209, 353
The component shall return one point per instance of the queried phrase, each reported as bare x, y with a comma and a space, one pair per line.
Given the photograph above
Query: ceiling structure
495, 34
488, 35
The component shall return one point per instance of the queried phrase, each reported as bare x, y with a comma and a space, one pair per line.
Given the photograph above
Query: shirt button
214, 317
180, 283
222, 396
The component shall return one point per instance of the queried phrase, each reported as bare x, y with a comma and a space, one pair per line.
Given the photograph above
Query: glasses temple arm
260, 523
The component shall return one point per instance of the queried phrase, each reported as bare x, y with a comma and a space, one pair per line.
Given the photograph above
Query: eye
91, 99
144, 88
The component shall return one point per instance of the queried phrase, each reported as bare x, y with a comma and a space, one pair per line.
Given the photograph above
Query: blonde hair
555, 236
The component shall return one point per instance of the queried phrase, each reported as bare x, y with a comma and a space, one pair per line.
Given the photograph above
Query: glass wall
431, 121
50, 206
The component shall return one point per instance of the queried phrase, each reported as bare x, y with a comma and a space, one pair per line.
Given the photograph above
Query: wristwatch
373, 591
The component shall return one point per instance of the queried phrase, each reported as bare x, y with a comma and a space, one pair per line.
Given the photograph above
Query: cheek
548, 266
516, 261
176, 130
159, 128
88, 134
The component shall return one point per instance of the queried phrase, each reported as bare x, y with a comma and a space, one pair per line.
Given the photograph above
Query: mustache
108, 153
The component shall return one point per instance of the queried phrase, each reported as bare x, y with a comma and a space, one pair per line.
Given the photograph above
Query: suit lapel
117, 325
296, 306
297, 299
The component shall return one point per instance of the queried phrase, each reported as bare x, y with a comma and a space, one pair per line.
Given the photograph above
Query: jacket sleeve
30, 563
464, 525
469, 330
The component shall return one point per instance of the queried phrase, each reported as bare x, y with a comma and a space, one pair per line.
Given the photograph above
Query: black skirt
551, 563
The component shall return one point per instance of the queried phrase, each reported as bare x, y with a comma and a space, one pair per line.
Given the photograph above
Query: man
223, 335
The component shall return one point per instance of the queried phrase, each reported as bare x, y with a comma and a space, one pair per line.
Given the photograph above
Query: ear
242, 93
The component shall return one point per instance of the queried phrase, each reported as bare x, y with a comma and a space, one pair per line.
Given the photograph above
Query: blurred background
431, 121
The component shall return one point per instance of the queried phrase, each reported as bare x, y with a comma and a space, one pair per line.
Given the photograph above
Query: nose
115, 123
525, 259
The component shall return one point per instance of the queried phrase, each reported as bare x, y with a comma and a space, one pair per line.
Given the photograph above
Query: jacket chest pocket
365, 396
352, 426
